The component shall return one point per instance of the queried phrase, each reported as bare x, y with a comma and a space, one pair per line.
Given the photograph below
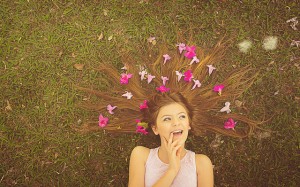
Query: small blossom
229, 124
152, 40
188, 75
102, 121
162, 89
150, 77
270, 43
293, 23
179, 75
144, 105
226, 108
210, 69
142, 130
196, 84
142, 74
125, 78
164, 79
219, 88
110, 108
128, 95
245, 45
166, 58
190, 52
181, 47
296, 43
195, 59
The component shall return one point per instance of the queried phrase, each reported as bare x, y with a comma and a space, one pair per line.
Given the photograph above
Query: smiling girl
179, 92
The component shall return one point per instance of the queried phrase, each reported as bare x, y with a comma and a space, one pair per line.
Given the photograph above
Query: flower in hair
164, 79
162, 89
150, 77
128, 95
210, 69
102, 121
226, 108
125, 77
181, 47
195, 59
141, 127
196, 84
166, 58
144, 105
188, 75
190, 52
142, 74
230, 124
111, 108
179, 75
218, 88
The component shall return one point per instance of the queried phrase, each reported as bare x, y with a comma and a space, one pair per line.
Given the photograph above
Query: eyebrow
170, 115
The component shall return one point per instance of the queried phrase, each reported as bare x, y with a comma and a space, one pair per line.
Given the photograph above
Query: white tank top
155, 168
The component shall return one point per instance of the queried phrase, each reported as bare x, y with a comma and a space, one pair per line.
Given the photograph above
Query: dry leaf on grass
8, 107
79, 66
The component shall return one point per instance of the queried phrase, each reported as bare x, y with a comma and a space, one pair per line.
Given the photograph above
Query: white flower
270, 43
245, 45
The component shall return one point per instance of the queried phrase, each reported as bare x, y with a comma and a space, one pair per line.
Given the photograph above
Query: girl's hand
174, 151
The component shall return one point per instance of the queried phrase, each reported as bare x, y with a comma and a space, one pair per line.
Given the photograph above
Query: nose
176, 122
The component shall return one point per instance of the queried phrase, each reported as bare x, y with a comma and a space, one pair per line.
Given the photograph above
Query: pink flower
229, 124
166, 58
179, 75
181, 47
188, 75
142, 74
144, 105
196, 84
162, 89
102, 121
125, 77
164, 79
190, 52
195, 59
218, 88
111, 108
210, 69
142, 130
150, 77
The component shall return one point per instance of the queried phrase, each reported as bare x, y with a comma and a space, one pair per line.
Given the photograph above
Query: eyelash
167, 119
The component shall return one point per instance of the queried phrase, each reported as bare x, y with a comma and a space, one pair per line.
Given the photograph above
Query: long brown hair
203, 104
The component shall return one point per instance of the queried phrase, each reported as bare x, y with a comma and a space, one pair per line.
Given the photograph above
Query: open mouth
177, 132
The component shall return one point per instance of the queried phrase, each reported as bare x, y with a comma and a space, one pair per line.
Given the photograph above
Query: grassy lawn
41, 41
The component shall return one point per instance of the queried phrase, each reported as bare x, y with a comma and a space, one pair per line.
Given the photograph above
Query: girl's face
172, 118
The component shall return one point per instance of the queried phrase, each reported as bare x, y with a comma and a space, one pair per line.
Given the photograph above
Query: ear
154, 129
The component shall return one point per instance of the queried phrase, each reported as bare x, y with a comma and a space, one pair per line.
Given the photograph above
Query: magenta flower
229, 124
190, 52
125, 77
110, 108
142, 130
162, 89
181, 47
218, 88
144, 105
166, 58
188, 75
102, 121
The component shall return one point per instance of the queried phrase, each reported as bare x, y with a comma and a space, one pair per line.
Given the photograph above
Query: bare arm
137, 166
205, 174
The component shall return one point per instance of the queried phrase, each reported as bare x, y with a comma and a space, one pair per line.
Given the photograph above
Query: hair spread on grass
202, 104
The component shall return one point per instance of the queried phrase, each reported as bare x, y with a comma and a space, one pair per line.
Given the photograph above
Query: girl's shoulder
141, 151
202, 162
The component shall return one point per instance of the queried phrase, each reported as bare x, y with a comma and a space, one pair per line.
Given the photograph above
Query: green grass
40, 41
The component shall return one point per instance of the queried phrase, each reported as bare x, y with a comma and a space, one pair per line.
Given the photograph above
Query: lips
177, 132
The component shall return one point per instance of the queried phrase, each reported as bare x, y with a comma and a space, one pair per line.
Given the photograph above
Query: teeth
177, 131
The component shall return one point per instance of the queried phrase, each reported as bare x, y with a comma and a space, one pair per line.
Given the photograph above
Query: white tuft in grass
270, 43
245, 45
